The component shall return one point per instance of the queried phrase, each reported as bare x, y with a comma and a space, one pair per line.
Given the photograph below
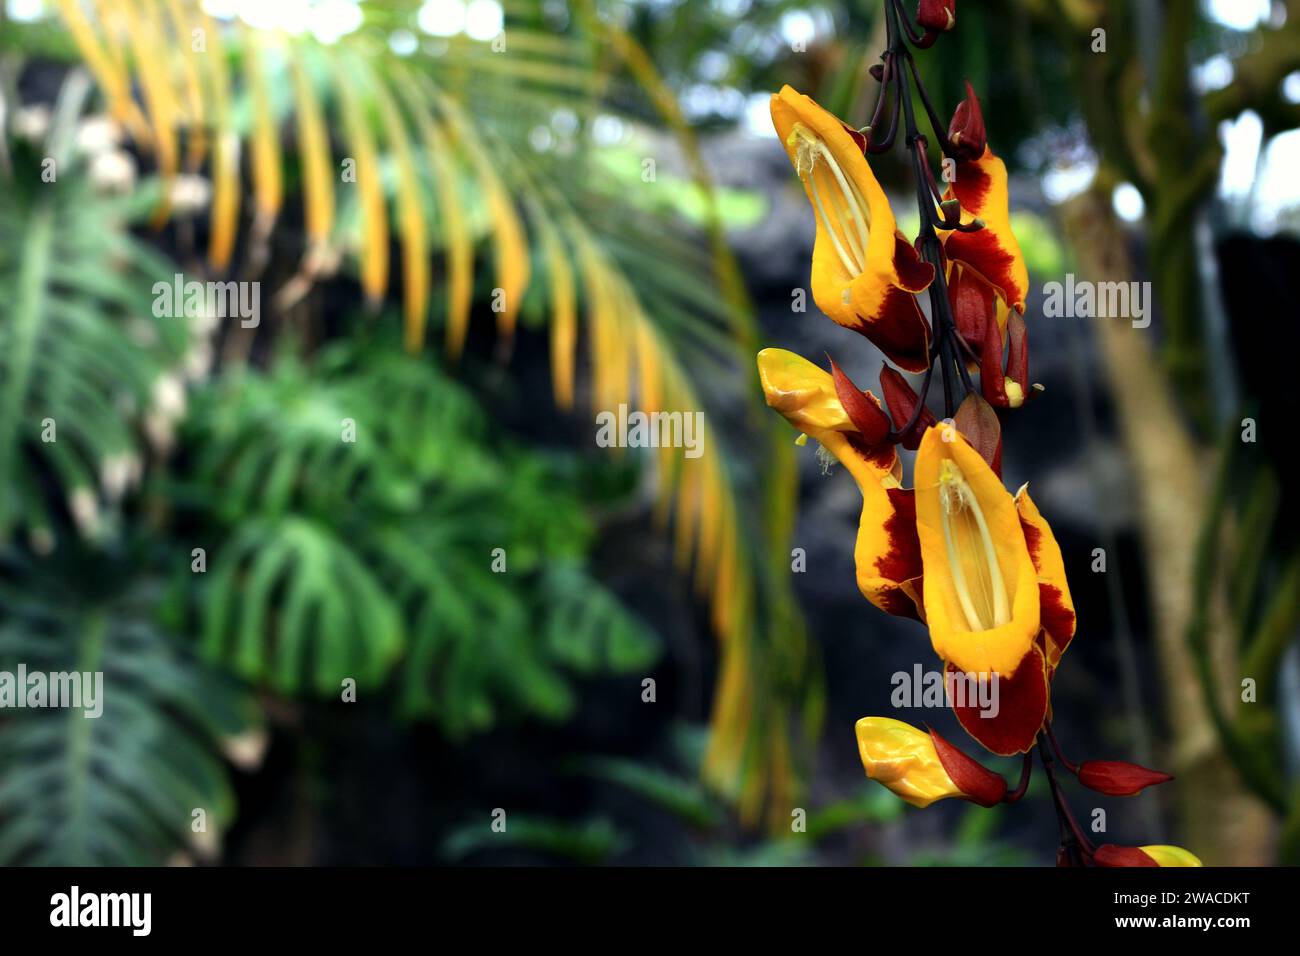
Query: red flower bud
976, 781
901, 401
862, 408
992, 382
1111, 855
1007, 390
971, 299
966, 132
1116, 778
979, 424
1018, 352
938, 15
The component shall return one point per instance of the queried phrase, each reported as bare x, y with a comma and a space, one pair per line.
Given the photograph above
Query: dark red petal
901, 562
979, 425
899, 329
1022, 706
914, 273
979, 783
1018, 351
972, 306
992, 382
1116, 778
1109, 854
866, 415
1056, 617
901, 399
858, 138
966, 131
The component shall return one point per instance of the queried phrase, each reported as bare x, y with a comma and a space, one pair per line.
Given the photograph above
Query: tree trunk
1222, 823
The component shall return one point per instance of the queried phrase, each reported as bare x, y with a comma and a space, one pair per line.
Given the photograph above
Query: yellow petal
1170, 855
805, 396
1056, 607
980, 186
981, 589
886, 554
863, 269
903, 758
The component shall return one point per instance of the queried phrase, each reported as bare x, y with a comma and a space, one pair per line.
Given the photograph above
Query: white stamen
856, 226
956, 495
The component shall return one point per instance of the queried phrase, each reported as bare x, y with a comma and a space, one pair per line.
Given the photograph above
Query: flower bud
979, 425
972, 304
977, 782
966, 132
922, 768
1116, 778
938, 15
1111, 855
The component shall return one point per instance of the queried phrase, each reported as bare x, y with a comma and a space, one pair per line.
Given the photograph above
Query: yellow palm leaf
314, 154
374, 215
145, 42
109, 72
415, 246
511, 244
268, 189
225, 155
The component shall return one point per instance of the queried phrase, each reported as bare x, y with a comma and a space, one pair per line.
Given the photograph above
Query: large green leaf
81, 351
121, 788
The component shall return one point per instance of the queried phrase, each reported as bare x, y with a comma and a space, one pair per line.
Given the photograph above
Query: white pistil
856, 225
850, 201
955, 496
852, 267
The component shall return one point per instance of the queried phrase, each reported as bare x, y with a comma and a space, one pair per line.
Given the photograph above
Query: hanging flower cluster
975, 563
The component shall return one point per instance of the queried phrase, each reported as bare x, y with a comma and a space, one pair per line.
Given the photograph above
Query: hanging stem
1026, 770
1069, 824
944, 339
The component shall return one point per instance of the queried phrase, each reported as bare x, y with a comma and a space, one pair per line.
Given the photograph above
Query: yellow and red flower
980, 187
865, 272
958, 551
1160, 855
922, 767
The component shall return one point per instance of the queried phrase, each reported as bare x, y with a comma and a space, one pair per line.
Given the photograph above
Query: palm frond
648, 333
